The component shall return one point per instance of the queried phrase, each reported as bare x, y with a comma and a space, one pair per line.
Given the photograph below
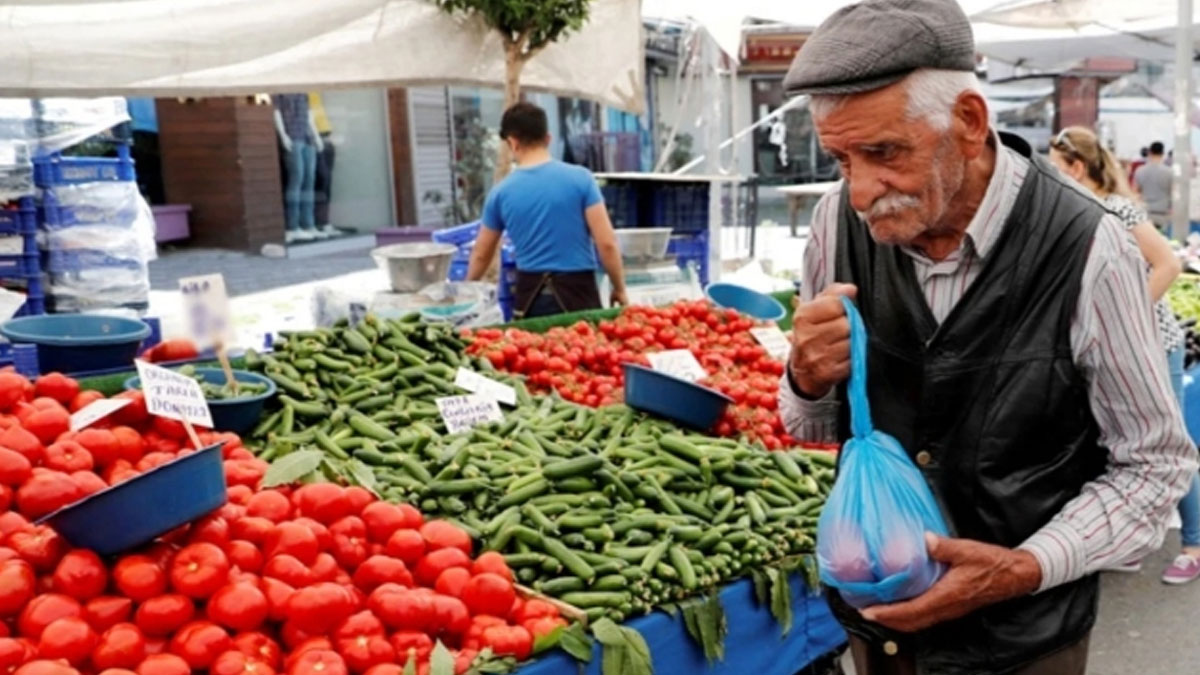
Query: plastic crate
19, 266
56, 216
691, 248
683, 208
20, 220
621, 201
458, 235
59, 170
78, 260
458, 269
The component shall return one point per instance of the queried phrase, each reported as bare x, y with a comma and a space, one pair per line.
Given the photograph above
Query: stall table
754, 643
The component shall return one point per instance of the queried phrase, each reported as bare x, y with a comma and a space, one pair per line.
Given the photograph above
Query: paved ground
245, 273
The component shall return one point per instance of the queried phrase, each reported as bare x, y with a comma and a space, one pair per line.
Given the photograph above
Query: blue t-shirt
541, 208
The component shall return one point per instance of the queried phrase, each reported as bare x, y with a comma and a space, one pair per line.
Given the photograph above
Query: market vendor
556, 219
1012, 352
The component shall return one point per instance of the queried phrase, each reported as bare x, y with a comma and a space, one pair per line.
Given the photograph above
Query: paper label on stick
774, 341
95, 411
461, 413
678, 362
485, 386
174, 396
206, 308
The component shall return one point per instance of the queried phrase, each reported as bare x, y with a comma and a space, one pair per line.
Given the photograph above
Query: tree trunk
514, 63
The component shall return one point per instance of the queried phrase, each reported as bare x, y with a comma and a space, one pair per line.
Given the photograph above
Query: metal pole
1181, 197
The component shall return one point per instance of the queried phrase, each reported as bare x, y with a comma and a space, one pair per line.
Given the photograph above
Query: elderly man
1012, 350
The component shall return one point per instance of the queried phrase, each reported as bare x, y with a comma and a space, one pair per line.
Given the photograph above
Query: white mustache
891, 203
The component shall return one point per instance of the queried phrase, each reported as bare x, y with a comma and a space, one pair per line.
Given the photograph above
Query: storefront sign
773, 340
96, 411
461, 413
678, 362
485, 386
206, 310
172, 395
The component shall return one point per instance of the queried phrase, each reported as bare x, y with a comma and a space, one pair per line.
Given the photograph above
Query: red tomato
318, 662
289, 570
56, 386
236, 663
15, 468
200, 643
294, 539
107, 611
319, 607
45, 667
407, 545
121, 646
40, 546
163, 664
198, 570
441, 534
139, 577
490, 594
412, 644
323, 502
48, 423
244, 555
259, 647
379, 569
46, 491
278, 593
44, 610
81, 574
18, 585
23, 442
239, 607
452, 581
436, 562
163, 615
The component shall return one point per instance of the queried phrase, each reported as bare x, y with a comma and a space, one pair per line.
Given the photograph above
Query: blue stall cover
754, 645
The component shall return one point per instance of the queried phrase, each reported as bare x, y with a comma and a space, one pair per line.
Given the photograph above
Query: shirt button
890, 648
924, 458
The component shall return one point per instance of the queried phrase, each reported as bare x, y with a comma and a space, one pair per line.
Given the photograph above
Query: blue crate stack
682, 206
19, 263
69, 267
463, 236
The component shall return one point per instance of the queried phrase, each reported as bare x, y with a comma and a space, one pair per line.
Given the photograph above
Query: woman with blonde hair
1077, 152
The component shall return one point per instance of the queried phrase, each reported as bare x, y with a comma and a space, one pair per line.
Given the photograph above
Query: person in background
555, 216
1153, 183
1077, 153
1136, 164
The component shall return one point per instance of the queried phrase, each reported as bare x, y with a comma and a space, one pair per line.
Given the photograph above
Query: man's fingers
837, 290
822, 309
922, 611
949, 551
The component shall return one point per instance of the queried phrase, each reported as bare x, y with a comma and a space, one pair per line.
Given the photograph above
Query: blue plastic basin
72, 343
673, 398
746, 301
146, 506
238, 415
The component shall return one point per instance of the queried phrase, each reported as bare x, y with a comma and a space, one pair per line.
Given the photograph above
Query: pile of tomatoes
584, 362
313, 579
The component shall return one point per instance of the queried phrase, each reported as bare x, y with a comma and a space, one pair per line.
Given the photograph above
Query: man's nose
865, 189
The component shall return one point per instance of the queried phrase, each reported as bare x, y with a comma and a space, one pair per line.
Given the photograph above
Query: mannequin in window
301, 143
326, 153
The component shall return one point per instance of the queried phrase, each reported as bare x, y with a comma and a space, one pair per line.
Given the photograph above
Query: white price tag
206, 310
12, 245
461, 413
174, 396
96, 411
485, 386
774, 341
678, 362
8, 153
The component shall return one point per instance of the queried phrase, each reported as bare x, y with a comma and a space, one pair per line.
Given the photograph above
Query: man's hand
820, 356
618, 297
979, 575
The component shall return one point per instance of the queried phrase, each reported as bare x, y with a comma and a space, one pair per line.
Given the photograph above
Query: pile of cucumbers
606, 509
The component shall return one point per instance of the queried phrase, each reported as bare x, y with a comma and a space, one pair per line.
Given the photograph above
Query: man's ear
971, 124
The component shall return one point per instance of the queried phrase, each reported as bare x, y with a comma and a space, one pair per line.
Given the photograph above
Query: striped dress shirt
1123, 514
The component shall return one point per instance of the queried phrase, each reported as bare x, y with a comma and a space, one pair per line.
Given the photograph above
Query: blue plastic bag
871, 536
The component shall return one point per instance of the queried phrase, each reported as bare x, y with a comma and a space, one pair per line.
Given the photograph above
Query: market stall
540, 530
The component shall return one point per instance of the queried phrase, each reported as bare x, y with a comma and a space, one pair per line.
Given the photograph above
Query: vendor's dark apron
992, 408
546, 293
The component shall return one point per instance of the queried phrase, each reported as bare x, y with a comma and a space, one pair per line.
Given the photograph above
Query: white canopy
217, 47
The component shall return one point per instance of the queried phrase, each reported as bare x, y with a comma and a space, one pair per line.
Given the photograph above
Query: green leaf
576, 643
625, 650
548, 640
691, 621
670, 608
781, 598
410, 666
292, 468
361, 475
760, 586
440, 661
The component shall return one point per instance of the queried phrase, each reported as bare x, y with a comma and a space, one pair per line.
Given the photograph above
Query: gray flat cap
875, 43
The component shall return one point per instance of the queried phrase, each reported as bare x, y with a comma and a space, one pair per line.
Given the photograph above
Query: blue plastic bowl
673, 398
238, 415
746, 301
144, 507
73, 343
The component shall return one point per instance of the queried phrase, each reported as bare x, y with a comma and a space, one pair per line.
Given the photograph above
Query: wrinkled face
902, 174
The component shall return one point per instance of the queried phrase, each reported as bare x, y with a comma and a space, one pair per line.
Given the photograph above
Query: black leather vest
994, 397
